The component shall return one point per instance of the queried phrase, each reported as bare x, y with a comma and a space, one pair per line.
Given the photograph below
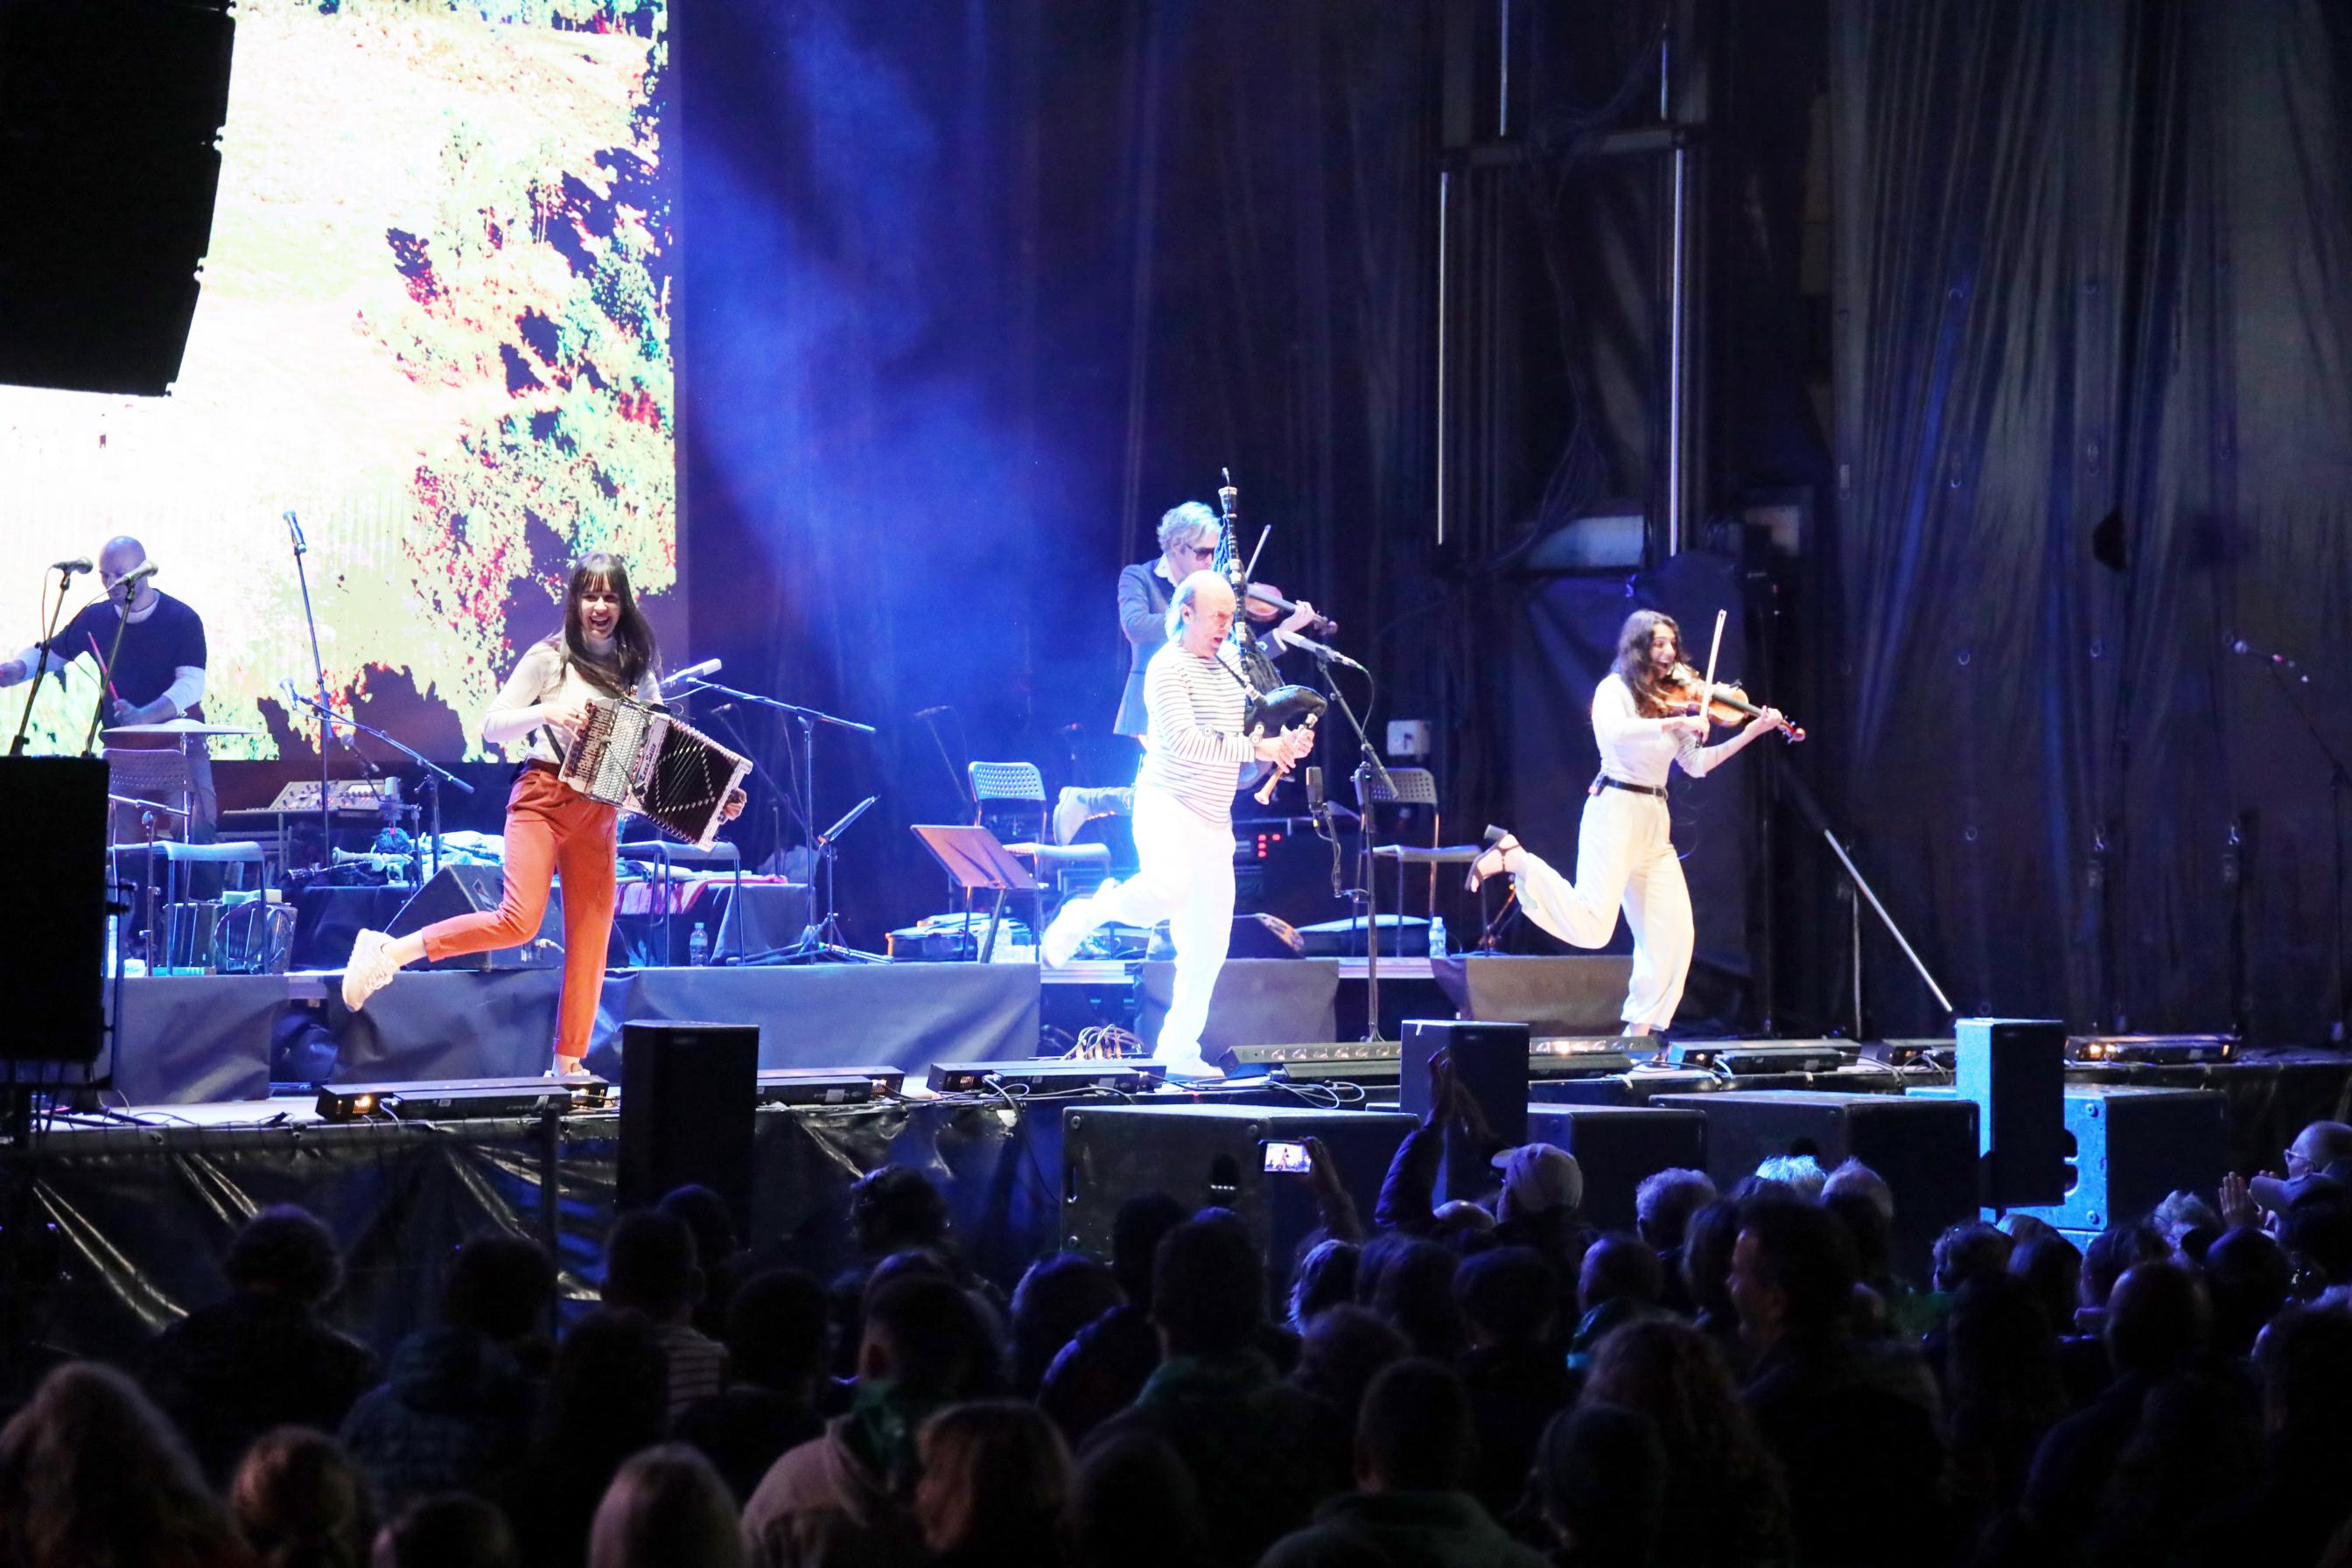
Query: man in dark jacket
1413, 1449
455, 1409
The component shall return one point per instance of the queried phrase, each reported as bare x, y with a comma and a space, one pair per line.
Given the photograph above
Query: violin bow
1715, 646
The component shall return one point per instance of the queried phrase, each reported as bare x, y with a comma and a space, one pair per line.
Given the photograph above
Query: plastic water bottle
698, 946
1437, 936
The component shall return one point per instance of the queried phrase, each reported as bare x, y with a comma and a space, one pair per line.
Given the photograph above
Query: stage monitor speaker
1571, 994
110, 111
470, 890
1618, 1147
1257, 1001
688, 1093
1490, 1061
1214, 1155
53, 921
2015, 1070
1924, 1148
2128, 1148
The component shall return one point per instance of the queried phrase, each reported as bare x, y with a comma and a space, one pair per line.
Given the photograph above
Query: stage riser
191, 1040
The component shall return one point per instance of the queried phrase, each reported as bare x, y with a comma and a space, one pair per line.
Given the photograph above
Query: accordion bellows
634, 756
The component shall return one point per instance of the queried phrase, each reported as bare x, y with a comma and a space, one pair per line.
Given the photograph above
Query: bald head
124, 554
1202, 612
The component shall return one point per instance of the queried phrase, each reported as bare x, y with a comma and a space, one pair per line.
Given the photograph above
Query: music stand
975, 860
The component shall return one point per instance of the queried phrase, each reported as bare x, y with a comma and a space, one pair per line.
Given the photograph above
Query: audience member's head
2316, 1231
1134, 1504
2111, 1252
665, 1506
1325, 1278
928, 1340
2025, 1227
2158, 1321
2317, 1149
2305, 1360
1664, 1202
2003, 1354
2187, 1223
1600, 1481
895, 1207
1208, 1287
1869, 1229
2248, 1276
1792, 1272
1343, 1349
1507, 1295
1855, 1179
1415, 1432
1620, 1267
456, 1529
777, 1324
1800, 1174
1415, 1293
996, 1476
651, 1266
92, 1472
1458, 1219
1136, 1230
1708, 1243
716, 1243
2051, 1268
498, 1285
1057, 1296
286, 1253
607, 1395
1538, 1178
1970, 1251
1677, 1376
299, 1499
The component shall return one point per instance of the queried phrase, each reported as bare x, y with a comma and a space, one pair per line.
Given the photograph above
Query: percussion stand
433, 774
820, 942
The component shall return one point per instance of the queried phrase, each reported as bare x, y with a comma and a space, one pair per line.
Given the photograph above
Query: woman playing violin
1644, 722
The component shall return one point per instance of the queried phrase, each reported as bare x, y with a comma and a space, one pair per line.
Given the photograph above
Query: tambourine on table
635, 756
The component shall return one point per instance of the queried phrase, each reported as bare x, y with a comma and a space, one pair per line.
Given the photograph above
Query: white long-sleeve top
1640, 751
1196, 748
517, 714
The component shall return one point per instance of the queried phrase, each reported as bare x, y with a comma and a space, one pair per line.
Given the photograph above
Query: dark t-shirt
153, 650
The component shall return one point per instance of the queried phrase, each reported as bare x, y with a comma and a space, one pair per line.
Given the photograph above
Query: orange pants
550, 827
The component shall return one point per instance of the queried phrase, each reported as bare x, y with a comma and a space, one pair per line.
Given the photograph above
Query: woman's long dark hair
633, 649
1633, 666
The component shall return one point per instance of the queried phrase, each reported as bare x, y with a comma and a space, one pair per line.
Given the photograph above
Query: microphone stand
121, 625
41, 665
820, 941
1366, 897
435, 775
318, 668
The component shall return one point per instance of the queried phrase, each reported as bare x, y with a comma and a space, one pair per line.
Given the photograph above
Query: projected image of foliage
435, 322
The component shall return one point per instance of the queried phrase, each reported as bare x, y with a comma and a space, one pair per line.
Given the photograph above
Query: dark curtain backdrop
2095, 425
973, 292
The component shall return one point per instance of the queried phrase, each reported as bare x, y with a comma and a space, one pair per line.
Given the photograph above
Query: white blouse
1638, 750
516, 714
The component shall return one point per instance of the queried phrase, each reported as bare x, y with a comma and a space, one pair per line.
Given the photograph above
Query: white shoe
371, 968
1063, 933
1190, 1065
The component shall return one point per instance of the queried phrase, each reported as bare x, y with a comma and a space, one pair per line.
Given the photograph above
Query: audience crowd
1746, 1378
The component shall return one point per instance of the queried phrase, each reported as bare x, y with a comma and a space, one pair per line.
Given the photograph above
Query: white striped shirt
1196, 748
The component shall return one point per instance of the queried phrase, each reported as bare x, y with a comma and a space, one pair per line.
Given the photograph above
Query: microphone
1321, 651
294, 525
71, 568
691, 672
934, 712
136, 575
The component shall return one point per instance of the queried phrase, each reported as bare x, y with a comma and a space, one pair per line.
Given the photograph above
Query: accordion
633, 755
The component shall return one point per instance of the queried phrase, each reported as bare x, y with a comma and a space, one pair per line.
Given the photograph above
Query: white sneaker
1190, 1065
371, 968
1063, 933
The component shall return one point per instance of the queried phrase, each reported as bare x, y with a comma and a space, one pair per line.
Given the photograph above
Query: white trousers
1624, 855
1185, 877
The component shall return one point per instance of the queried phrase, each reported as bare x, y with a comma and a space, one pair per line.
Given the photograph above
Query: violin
1259, 594
1727, 702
